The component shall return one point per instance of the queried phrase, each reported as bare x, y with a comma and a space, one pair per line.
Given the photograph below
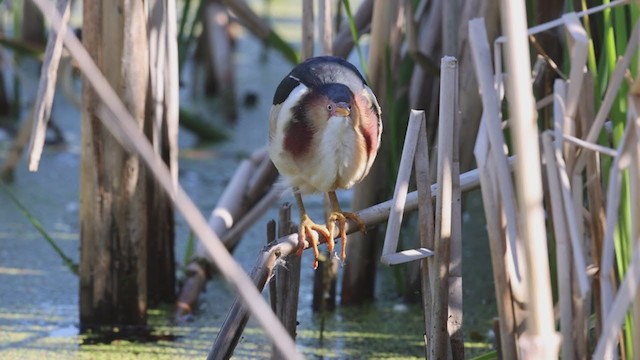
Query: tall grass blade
356, 38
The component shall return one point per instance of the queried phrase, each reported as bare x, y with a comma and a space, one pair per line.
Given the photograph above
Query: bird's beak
342, 110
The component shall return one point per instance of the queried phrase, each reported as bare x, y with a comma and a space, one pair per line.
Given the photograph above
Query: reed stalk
287, 280
493, 127
308, 24
46, 87
444, 202
541, 341
426, 229
563, 248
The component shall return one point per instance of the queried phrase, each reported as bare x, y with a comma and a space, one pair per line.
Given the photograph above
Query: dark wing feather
284, 89
319, 71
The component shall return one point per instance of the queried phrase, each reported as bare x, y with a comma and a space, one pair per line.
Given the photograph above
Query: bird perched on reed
324, 134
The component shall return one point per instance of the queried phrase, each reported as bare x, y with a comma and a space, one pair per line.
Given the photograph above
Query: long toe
340, 217
307, 226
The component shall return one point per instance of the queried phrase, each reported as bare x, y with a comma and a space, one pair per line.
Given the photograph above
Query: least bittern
324, 134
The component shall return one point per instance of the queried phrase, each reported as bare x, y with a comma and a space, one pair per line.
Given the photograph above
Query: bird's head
336, 99
324, 102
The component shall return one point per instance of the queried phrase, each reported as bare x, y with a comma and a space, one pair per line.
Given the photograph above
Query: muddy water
39, 295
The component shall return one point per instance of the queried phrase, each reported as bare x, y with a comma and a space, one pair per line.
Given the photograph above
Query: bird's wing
369, 125
318, 71
273, 120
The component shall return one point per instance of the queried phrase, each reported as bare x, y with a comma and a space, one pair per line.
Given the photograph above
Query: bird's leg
306, 230
339, 216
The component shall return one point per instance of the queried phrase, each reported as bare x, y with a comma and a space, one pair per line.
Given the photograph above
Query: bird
325, 127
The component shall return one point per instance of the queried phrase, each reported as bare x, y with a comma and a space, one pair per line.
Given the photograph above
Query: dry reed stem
450, 26
426, 33
444, 202
219, 49
120, 123
47, 87
572, 194
571, 219
287, 280
589, 146
273, 293
172, 89
540, 340
499, 253
578, 45
563, 259
426, 229
493, 129
595, 199
455, 320
157, 58
380, 32
325, 31
307, 29
238, 315
392, 234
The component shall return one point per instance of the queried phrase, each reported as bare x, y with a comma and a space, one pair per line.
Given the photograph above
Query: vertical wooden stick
493, 211
172, 89
287, 280
563, 260
493, 128
541, 341
455, 263
595, 198
426, 228
325, 30
570, 217
448, 84
307, 29
273, 294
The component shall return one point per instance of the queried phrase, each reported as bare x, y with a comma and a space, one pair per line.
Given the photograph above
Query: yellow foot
341, 217
306, 231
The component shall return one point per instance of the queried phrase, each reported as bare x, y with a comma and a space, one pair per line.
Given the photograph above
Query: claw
341, 218
307, 226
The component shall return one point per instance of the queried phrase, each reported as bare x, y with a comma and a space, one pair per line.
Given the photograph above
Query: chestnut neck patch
297, 138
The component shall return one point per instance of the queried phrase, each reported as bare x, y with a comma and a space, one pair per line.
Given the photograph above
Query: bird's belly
340, 161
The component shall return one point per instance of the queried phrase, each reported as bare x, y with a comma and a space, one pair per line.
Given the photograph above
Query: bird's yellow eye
329, 107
